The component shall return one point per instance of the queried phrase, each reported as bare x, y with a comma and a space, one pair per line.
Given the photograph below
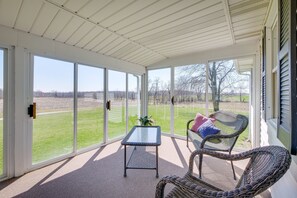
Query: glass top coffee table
142, 136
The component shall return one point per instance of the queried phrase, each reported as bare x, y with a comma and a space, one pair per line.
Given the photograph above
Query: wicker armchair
231, 125
266, 166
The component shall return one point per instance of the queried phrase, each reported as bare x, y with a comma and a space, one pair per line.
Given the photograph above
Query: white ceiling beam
228, 19
103, 28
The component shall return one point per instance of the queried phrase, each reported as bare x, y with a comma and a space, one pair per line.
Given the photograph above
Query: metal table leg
125, 168
157, 165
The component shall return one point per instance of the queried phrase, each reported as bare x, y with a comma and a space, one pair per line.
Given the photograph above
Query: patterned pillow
199, 120
208, 128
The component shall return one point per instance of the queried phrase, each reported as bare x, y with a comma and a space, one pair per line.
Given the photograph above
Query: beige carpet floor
99, 173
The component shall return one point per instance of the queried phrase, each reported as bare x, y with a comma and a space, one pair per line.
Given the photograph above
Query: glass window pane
53, 95
229, 91
117, 97
189, 95
90, 112
133, 101
159, 98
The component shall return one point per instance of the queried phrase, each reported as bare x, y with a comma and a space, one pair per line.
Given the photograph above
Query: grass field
53, 132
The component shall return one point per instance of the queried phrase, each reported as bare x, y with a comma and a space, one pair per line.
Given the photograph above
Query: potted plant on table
146, 121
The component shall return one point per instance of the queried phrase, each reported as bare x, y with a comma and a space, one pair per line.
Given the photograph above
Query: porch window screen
287, 123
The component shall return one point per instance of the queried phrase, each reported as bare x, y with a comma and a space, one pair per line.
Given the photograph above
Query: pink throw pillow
199, 120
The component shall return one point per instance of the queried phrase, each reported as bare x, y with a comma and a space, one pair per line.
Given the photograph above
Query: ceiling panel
117, 47
27, 14
89, 37
200, 31
69, 29
9, 11
75, 5
105, 43
172, 22
256, 19
112, 8
173, 12
247, 6
224, 38
111, 45
191, 40
166, 35
125, 50
92, 7
44, 19
135, 7
134, 54
251, 27
60, 2
139, 31
209, 31
57, 25
97, 40
78, 35
139, 16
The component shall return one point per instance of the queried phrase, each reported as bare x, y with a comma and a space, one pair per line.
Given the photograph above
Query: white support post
172, 106
145, 93
75, 108
105, 97
255, 108
127, 104
138, 98
21, 116
206, 88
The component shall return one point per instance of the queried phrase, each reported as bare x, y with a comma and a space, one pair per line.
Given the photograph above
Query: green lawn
53, 133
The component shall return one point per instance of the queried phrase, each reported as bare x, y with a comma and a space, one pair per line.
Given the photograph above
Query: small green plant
146, 121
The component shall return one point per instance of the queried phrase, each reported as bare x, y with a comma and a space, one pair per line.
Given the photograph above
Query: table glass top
143, 135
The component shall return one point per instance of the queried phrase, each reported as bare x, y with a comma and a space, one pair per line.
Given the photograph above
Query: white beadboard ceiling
139, 31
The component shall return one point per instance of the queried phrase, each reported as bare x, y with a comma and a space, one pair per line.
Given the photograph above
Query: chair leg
200, 165
232, 167
187, 132
233, 170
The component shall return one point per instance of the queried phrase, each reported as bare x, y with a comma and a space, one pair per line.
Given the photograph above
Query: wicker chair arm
217, 136
224, 156
188, 123
185, 186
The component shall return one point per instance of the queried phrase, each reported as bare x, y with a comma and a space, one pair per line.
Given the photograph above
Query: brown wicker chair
266, 166
231, 125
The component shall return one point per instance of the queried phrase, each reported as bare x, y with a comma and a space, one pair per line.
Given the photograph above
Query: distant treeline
159, 97
87, 94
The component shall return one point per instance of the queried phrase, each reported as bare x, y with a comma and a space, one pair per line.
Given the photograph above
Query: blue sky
163, 74
55, 75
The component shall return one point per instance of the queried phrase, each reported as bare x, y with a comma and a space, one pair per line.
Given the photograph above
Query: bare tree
222, 78
153, 89
191, 81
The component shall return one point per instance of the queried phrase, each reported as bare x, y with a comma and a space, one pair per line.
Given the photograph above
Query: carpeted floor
99, 173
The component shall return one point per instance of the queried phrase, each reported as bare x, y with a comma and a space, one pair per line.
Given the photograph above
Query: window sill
272, 123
